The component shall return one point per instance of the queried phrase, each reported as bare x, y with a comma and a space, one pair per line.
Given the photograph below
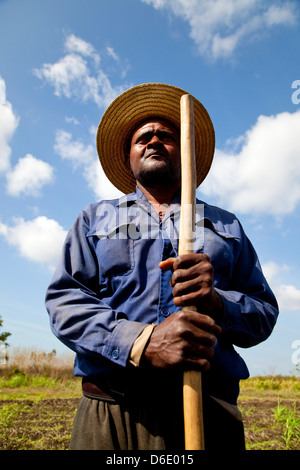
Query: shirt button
165, 312
115, 354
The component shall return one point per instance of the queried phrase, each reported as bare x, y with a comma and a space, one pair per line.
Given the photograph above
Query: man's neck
159, 196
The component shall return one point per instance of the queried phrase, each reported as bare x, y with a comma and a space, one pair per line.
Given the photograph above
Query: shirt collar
139, 196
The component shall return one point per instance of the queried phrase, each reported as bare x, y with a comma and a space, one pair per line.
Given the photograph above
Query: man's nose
155, 142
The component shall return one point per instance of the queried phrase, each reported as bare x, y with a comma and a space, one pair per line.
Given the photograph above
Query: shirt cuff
139, 345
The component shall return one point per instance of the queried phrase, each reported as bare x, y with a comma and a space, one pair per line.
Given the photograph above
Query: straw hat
149, 100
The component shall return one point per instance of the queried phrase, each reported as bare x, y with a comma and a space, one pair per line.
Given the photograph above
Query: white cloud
67, 76
271, 270
30, 173
39, 240
110, 51
280, 14
72, 120
99, 183
74, 151
218, 27
84, 157
29, 176
77, 45
287, 295
263, 177
78, 74
8, 124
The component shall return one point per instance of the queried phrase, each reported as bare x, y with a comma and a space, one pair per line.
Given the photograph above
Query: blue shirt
108, 286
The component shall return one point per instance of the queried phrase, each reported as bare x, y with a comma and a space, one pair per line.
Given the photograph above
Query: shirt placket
166, 306
165, 227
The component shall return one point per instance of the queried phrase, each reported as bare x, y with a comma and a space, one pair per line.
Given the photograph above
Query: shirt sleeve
250, 307
78, 315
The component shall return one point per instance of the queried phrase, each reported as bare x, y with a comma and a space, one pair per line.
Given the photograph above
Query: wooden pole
192, 388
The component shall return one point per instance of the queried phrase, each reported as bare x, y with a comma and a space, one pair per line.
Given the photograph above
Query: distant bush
274, 382
17, 379
35, 362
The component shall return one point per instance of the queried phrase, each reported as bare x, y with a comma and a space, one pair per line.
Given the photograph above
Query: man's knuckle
181, 314
205, 257
182, 318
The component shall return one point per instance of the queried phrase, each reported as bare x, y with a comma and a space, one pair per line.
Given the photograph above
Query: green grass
9, 412
20, 384
271, 410
291, 424
37, 408
19, 379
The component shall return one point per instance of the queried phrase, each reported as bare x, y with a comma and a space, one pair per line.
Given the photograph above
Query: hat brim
136, 105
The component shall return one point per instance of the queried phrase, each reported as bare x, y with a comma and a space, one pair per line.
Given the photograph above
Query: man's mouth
156, 154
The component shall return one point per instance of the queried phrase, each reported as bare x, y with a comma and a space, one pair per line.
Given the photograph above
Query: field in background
39, 397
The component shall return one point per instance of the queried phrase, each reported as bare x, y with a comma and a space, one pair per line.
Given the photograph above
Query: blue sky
62, 62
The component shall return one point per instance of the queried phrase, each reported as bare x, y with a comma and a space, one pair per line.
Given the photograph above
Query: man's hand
184, 341
193, 283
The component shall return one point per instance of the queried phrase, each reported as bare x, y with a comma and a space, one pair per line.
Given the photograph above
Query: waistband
112, 389
91, 390
136, 385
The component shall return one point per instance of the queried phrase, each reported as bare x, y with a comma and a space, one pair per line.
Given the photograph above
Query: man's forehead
154, 123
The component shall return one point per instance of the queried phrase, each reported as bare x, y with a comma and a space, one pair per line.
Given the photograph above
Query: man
117, 295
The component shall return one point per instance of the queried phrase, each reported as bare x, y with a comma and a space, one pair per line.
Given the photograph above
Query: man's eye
166, 136
142, 141
144, 138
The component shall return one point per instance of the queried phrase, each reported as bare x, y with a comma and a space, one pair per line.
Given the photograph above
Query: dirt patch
263, 428
36, 425
46, 424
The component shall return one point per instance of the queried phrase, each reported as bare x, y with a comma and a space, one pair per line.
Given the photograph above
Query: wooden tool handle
192, 388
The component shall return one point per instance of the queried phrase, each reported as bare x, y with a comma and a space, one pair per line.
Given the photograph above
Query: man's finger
167, 264
201, 321
190, 259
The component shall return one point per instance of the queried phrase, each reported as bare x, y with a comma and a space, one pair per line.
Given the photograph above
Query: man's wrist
138, 347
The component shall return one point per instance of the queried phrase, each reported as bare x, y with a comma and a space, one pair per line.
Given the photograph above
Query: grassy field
39, 398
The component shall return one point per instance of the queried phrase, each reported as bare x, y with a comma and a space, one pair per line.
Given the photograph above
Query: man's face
155, 154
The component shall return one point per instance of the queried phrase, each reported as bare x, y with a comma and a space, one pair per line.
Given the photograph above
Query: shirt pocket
114, 252
220, 247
